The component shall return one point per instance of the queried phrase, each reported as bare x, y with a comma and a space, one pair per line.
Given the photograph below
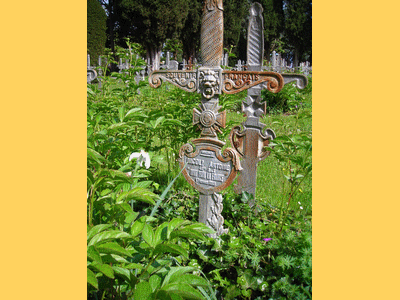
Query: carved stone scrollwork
215, 220
237, 81
211, 4
236, 138
91, 75
266, 136
301, 80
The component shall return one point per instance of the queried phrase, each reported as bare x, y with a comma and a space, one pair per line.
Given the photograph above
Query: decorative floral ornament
142, 156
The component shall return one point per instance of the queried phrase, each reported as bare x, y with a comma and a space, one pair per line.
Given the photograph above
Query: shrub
96, 29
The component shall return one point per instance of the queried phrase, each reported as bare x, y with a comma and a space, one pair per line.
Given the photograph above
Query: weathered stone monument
250, 140
91, 72
205, 166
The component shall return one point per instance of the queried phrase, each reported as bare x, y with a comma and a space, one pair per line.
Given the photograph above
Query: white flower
301, 207
299, 203
141, 156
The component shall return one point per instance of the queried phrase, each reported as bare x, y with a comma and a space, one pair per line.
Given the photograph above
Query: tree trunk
296, 58
153, 57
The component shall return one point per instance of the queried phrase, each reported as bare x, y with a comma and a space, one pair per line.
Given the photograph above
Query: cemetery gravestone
91, 73
204, 166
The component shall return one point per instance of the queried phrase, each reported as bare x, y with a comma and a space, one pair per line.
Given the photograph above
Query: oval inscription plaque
207, 170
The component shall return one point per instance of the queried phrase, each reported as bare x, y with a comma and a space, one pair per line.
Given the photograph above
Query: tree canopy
287, 26
96, 29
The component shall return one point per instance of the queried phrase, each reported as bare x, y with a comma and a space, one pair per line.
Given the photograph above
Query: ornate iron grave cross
207, 169
250, 140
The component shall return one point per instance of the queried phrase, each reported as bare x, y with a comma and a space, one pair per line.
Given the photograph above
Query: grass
271, 183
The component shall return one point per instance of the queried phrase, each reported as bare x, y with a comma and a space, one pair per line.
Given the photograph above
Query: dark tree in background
171, 24
190, 34
96, 29
235, 26
273, 25
298, 28
152, 22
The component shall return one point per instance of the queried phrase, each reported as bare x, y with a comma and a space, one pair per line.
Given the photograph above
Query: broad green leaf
103, 268
134, 266
157, 122
134, 112
200, 227
121, 112
112, 248
208, 295
117, 126
96, 229
191, 279
137, 193
176, 272
184, 290
137, 227
143, 291
176, 223
96, 156
93, 254
90, 177
161, 233
91, 279
164, 295
171, 248
187, 233
108, 235
155, 282
122, 271
148, 235
114, 259
105, 192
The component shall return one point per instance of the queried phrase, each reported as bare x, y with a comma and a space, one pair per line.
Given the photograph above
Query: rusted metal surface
211, 34
185, 80
207, 169
237, 81
209, 120
250, 140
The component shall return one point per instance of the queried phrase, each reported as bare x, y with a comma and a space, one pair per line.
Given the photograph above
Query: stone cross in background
205, 166
250, 140
239, 65
91, 73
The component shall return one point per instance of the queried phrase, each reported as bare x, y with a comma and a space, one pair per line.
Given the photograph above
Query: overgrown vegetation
143, 238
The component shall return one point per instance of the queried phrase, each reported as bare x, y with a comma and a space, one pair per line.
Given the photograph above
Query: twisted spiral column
211, 38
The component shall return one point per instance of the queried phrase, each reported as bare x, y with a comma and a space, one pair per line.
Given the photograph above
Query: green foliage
235, 17
147, 16
142, 242
96, 29
246, 266
289, 99
298, 26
